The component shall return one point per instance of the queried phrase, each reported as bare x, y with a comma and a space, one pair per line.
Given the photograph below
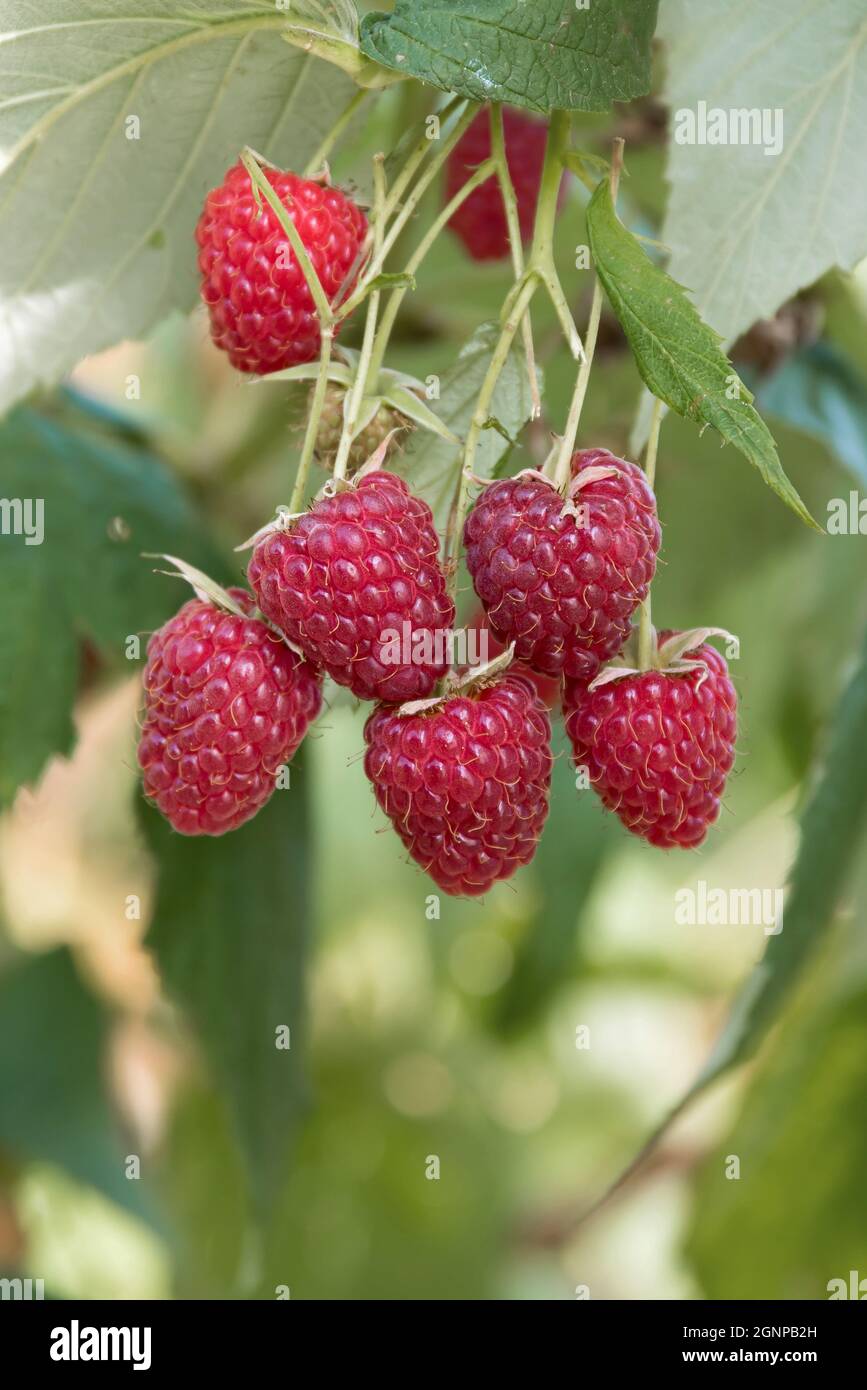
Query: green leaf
103, 504
747, 229
545, 56
431, 463
409, 404
679, 357
229, 934
53, 1100
97, 213
744, 1241
831, 829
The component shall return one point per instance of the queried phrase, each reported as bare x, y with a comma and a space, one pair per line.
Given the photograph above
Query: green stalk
414, 161
446, 145
541, 258
262, 187
483, 172
317, 160
563, 468
644, 623
477, 424
510, 203
310, 434
362, 372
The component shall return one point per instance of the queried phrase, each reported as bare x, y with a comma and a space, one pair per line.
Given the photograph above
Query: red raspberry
262, 311
564, 592
465, 783
227, 703
658, 747
480, 221
346, 578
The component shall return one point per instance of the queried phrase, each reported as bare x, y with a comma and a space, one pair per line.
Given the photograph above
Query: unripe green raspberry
365, 443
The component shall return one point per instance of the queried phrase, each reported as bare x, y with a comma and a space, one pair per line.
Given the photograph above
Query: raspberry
658, 747
465, 783
365, 443
564, 592
262, 312
226, 704
355, 582
480, 221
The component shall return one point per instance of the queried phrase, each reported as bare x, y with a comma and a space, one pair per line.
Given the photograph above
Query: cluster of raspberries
463, 775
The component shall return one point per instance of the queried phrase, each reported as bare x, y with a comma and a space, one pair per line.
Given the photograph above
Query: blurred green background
459, 1089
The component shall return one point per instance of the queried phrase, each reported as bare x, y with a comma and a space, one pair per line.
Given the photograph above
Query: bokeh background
143, 976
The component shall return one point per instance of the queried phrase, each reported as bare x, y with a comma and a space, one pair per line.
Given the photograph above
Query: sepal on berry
466, 682
205, 588
670, 656
465, 784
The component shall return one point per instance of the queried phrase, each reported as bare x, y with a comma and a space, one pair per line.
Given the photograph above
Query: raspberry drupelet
465, 783
356, 583
261, 310
563, 589
226, 705
658, 747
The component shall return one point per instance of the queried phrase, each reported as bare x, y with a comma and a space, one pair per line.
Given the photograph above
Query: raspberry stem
312, 430
645, 629
563, 467
363, 368
477, 424
414, 161
541, 260
261, 187
413, 199
540, 270
483, 172
317, 160
510, 203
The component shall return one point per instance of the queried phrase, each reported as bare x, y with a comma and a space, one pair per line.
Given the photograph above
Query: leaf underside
748, 229
113, 126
